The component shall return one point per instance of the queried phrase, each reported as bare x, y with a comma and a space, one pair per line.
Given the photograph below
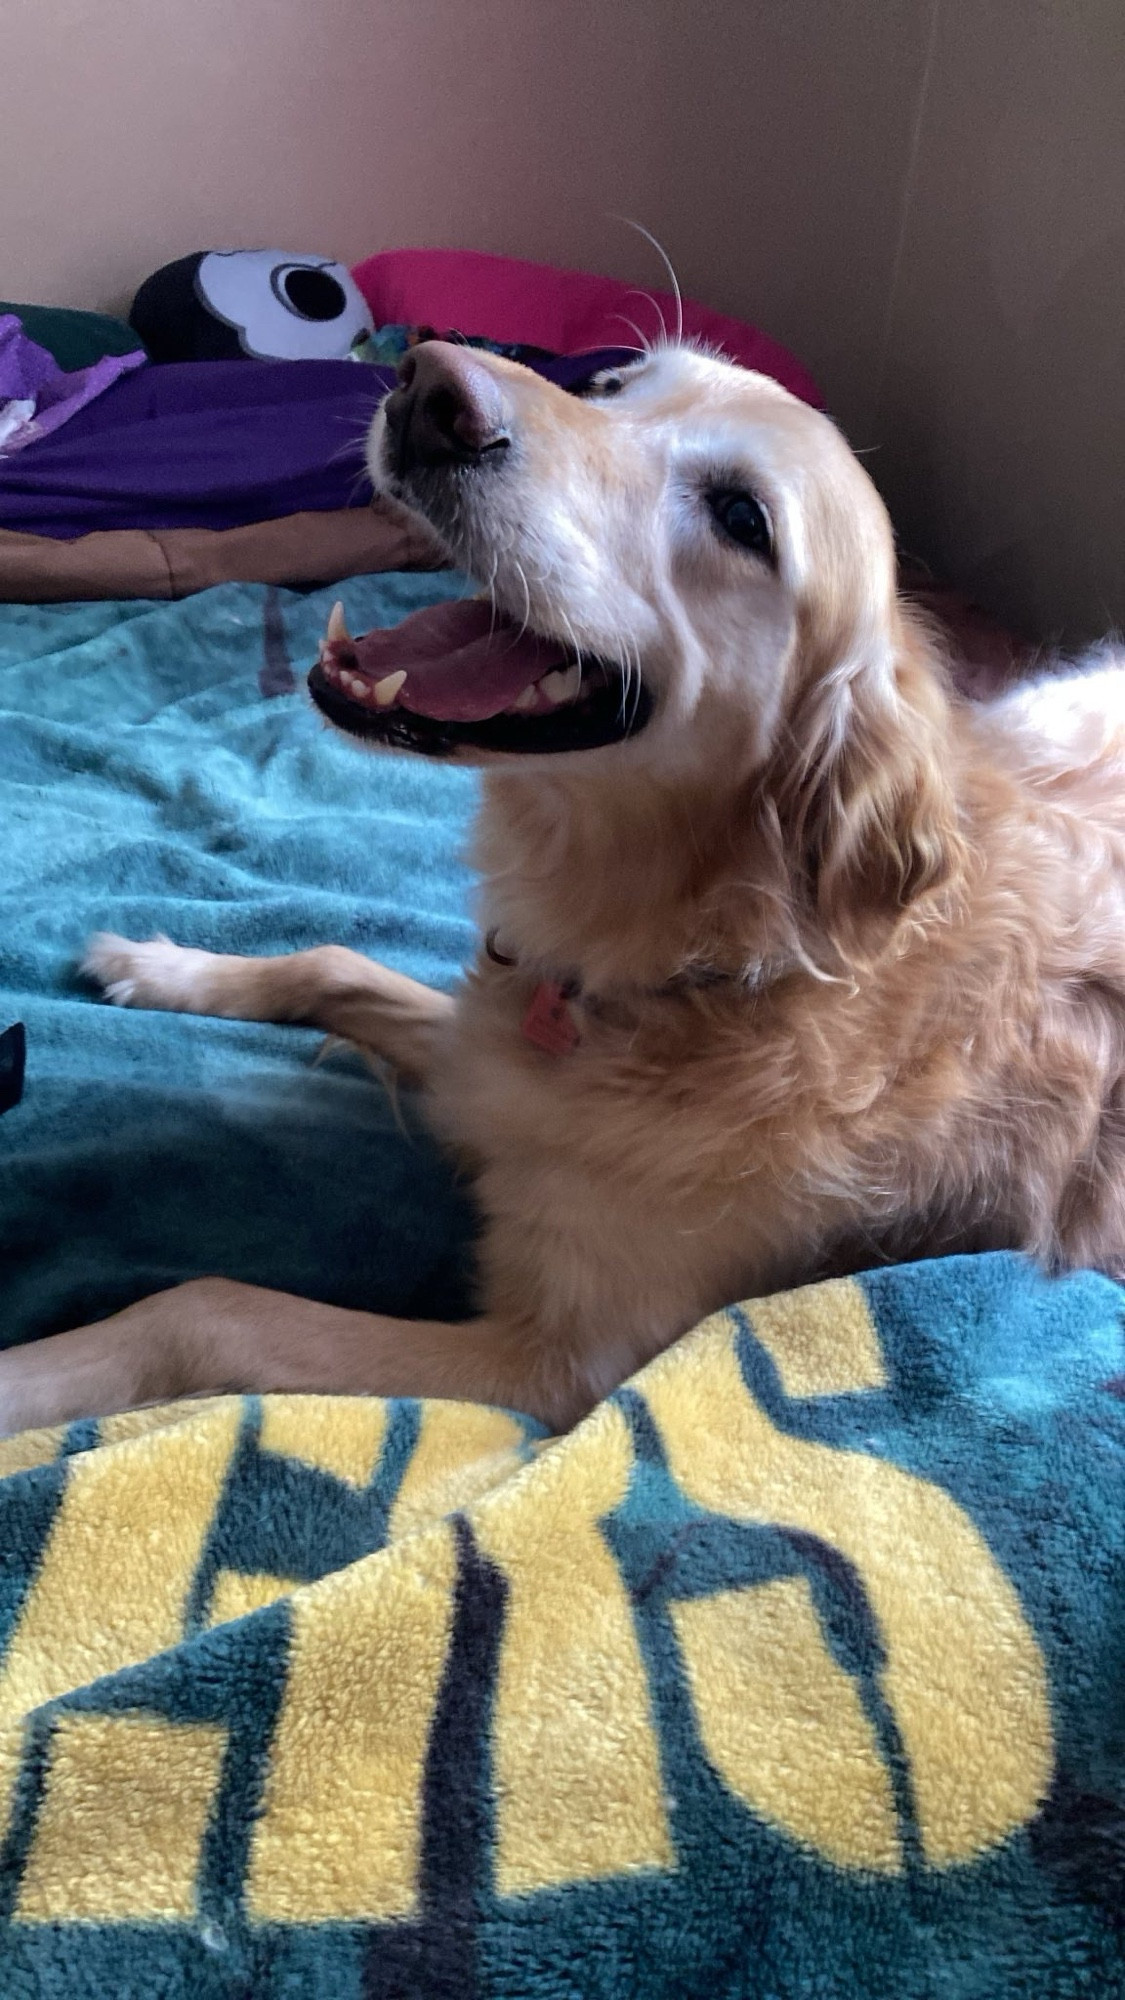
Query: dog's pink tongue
463, 662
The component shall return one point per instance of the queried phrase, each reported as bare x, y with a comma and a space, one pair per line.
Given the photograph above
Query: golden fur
918, 905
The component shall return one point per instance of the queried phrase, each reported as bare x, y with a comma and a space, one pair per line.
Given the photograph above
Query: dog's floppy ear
864, 791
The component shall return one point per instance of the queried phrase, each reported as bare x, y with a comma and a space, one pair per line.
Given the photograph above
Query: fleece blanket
162, 769
797, 1670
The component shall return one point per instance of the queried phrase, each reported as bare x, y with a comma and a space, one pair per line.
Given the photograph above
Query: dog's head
686, 571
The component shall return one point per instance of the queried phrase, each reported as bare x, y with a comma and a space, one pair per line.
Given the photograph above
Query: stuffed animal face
268, 304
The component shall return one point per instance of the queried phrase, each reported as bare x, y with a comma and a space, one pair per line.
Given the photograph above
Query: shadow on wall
1001, 418
1019, 496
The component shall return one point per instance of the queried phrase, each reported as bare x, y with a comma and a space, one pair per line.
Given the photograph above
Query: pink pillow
570, 312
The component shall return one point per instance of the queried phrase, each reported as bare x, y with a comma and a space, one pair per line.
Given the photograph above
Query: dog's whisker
632, 223
663, 338
352, 449
356, 487
626, 676
645, 345
520, 572
574, 645
633, 687
632, 691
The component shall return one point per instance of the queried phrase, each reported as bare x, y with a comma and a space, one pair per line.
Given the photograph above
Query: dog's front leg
330, 988
212, 1335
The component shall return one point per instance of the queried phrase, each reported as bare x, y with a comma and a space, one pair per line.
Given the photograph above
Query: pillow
75, 339
566, 312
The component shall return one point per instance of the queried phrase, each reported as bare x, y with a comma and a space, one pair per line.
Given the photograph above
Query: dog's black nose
448, 408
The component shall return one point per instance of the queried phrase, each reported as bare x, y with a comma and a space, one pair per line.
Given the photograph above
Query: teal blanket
796, 1672
161, 769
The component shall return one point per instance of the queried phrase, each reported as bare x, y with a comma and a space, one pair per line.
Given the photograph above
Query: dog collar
549, 1023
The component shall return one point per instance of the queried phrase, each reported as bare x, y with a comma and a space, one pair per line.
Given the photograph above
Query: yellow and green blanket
797, 1669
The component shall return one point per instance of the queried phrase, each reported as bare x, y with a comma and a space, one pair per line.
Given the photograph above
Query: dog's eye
741, 519
607, 382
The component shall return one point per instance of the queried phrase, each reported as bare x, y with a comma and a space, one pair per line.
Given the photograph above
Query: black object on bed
13, 1059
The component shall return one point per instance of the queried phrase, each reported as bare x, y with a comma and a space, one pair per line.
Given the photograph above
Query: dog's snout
448, 408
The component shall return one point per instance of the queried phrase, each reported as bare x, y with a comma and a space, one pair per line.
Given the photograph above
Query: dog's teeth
355, 686
386, 689
528, 699
560, 685
338, 625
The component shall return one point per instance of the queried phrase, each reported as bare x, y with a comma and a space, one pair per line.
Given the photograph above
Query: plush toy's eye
742, 519
309, 290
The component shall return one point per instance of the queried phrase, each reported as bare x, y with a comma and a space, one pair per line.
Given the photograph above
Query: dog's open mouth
463, 675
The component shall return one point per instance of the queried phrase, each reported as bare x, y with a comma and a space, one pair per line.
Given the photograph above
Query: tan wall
737, 130
777, 149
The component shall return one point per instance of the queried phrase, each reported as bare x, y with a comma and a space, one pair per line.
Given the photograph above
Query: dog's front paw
156, 973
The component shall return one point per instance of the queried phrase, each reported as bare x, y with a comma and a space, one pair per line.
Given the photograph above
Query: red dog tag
549, 1023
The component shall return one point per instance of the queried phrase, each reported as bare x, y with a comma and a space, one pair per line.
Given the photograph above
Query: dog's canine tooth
386, 689
562, 684
338, 625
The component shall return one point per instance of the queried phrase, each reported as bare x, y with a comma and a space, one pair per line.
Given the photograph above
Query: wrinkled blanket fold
163, 770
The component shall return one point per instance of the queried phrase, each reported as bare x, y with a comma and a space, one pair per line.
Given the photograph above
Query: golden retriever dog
794, 962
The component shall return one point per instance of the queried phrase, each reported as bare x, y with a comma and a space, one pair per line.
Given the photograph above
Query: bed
796, 1670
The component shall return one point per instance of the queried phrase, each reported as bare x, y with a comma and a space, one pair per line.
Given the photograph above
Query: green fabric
162, 769
76, 339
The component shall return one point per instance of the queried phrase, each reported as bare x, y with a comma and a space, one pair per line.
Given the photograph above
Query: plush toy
219, 304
